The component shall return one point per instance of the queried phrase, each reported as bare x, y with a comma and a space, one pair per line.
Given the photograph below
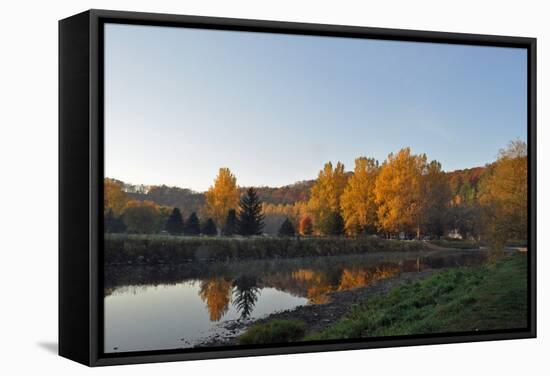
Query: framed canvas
235, 187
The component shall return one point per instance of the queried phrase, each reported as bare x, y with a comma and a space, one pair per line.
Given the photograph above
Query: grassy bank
155, 249
472, 244
276, 331
485, 297
491, 296
456, 244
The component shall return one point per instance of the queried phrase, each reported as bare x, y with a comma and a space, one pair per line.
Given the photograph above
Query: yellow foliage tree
326, 192
114, 197
358, 200
503, 196
222, 197
398, 192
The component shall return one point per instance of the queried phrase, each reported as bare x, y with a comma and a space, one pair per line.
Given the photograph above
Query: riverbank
476, 298
166, 249
488, 297
317, 317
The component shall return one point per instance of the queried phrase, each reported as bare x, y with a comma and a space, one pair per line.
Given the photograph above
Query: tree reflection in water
216, 293
241, 283
319, 284
245, 294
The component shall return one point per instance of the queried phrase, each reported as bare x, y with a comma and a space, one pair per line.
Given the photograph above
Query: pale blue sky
181, 103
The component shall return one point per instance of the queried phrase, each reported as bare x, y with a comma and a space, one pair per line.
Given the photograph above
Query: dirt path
320, 316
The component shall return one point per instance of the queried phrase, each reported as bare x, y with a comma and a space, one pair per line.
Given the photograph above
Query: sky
181, 103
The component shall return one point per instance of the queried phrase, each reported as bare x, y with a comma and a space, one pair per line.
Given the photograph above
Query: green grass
492, 296
516, 243
275, 331
154, 249
457, 244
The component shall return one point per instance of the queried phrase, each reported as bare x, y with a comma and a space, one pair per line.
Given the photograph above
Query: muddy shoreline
319, 316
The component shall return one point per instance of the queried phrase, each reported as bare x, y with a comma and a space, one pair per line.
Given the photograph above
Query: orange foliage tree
114, 197
306, 226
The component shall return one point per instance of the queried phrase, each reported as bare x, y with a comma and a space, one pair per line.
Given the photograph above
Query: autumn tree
112, 223
114, 198
503, 196
287, 228
465, 219
192, 225
250, 214
326, 193
141, 217
221, 197
174, 224
398, 192
209, 228
231, 224
306, 226
436, 195
164, 214
359, 208
467, 193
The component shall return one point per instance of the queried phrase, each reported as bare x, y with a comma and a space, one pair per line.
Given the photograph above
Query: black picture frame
81, 174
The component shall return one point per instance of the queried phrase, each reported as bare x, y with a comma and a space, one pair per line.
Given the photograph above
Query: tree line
405, 195
145, 217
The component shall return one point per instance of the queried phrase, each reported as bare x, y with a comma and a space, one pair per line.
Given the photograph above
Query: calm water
162, 307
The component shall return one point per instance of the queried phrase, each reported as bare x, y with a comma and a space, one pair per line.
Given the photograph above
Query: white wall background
28, 189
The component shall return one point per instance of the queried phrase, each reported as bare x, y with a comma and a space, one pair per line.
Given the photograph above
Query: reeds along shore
164, 249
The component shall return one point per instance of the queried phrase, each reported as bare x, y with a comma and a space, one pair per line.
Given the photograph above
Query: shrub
275, 331
287, 228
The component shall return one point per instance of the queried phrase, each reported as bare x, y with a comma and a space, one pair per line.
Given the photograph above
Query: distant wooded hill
190, 201
463, 185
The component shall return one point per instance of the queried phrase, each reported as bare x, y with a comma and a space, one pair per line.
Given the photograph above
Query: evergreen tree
209, 228
113, 224
174, 224
192, 225
287, 228
333, 225
230, 227
250, 214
